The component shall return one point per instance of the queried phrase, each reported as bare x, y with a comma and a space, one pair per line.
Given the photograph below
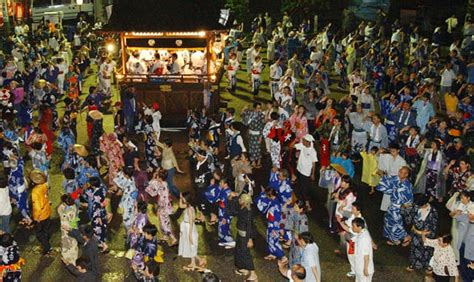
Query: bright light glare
202, 33
110, 47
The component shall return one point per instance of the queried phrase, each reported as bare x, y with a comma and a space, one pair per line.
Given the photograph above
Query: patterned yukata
17, 187
219, 195
68, 216
145, 250
85, 172
150, 147
400, 192
255, 122
111, 148
420, 255
99, 214
165, 208
139, 222
299, 125
97, 131
272, 211
386, 108
10, 259
130, 194
40, 160
65, 140
213, 133
297, 223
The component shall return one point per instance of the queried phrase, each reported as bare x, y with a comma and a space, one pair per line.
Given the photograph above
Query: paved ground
389, 261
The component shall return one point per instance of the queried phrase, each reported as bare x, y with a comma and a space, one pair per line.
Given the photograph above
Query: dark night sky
165, 15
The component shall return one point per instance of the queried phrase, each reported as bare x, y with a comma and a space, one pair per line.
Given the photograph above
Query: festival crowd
404, 118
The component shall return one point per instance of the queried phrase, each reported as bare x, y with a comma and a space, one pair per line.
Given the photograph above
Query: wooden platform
175, 99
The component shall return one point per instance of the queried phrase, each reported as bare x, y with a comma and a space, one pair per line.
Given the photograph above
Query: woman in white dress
188, 237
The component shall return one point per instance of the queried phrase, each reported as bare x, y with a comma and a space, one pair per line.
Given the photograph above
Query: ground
389, 261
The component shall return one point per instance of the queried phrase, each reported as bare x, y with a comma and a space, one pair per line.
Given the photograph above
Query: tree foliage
240, 9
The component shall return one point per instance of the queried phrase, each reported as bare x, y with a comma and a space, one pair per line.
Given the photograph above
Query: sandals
240, 272
406, 242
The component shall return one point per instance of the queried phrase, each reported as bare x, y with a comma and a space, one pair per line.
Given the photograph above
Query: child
343, 160
146, 250
369, 168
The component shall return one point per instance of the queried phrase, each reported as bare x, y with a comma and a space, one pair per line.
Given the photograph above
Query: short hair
142, 207
150, 229
94, 181
87, 231
421, 200
447, 238
83, 262
307, 237
6, 240
67, 199
69, 173
168, 142
153, 268
210, 277
300, 271
284, 172
359, 222
256, 104
274, 116
357, 205
3, 182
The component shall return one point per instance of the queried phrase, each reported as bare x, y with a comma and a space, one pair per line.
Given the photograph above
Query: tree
239, 9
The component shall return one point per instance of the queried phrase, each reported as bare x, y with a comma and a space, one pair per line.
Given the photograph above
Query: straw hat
339, 169
37, 176
80, 150
96, 115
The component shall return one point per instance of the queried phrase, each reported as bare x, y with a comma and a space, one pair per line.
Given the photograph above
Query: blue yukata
85, 173
144, 249
424, 112
274, 181
272, 211
17, 187
378, 76
216, 194
386, 108
401, 192
65, 141
129, 196
347, 164
285, 193
98, 215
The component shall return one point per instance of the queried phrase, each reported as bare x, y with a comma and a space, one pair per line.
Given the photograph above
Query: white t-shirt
306, 159
5, 206
363, 247
447, 77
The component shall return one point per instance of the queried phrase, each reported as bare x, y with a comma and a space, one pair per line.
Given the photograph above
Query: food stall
176, 61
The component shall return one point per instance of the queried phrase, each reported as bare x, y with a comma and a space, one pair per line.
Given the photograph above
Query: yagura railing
169, 78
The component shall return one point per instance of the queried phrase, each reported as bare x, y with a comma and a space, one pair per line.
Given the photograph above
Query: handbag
325, 178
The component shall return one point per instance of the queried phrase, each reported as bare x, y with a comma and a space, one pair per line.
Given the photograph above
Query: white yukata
105, 75
129, 196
